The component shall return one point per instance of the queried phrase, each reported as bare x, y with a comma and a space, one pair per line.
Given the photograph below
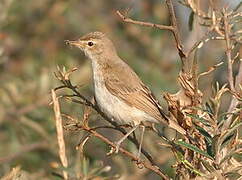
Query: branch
145, 164
234, 84
227, 28
176, 32
142, 23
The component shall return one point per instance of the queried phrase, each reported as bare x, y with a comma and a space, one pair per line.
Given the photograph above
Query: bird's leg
141, 141
124, 137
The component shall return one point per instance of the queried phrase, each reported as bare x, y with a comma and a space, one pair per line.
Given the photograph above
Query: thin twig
176, 34
228, 50
199, 43
142, 23
234, 101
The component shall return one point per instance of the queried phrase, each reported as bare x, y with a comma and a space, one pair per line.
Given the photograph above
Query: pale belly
117, 110
112, 106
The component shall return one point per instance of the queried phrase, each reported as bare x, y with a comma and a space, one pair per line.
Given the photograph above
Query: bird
119, 92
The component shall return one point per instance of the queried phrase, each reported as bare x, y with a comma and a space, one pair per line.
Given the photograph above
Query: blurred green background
32, 35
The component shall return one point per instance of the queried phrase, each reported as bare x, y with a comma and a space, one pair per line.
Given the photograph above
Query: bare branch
142, 23
227, 28
176, 32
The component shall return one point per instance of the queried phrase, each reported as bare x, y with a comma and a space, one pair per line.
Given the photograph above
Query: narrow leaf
208, 166
193, 148
204, 133
208, 140
190, 22
200, 119
209, 109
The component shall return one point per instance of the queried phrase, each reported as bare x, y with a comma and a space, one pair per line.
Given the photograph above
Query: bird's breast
112, 106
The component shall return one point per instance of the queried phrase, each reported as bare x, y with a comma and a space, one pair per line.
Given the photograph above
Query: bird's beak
77, 43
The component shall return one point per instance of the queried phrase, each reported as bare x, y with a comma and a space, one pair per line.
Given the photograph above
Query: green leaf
227, 140
209, 109
204, 133
85, 166
187, 164
210, 148
208, 141
227, 134
190, 21
200, 119
193, 148
208, 166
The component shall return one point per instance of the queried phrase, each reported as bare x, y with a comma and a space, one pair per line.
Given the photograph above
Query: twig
176, 33
199, 43
234, 101
238, 79
228, 50
142, 23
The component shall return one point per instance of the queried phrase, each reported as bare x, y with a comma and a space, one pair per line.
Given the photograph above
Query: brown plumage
119, 92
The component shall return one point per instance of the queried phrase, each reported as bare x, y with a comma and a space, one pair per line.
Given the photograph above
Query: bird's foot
114, 149
117, 146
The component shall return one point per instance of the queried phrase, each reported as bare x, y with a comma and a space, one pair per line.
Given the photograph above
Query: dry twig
60, 136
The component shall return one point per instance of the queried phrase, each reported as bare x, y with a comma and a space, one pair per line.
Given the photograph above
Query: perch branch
145, 164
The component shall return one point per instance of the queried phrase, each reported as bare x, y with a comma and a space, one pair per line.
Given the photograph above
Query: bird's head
94, 44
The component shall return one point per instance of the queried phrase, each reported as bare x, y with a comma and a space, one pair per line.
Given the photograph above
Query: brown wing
132, 91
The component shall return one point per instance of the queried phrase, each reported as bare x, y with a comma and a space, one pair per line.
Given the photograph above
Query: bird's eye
90, 43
